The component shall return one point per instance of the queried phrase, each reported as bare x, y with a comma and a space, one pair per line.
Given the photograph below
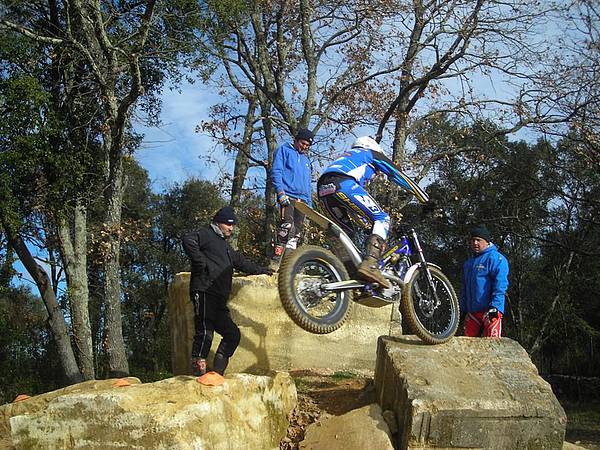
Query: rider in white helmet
341, 190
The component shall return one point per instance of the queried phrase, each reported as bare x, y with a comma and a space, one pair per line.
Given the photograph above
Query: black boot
198, 366
368, 268
220, 363
278, 252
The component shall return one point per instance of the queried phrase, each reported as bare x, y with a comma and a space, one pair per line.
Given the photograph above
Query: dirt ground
339, 392
334, 394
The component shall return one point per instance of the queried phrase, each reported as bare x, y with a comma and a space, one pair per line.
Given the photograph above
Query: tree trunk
398, 156
56, 320
400, 134
542, 334
74, 252
270, 224
117, 355
242, 158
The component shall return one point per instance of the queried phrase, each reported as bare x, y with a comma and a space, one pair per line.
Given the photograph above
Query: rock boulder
467, 393
246, 412
270, 340
359, 429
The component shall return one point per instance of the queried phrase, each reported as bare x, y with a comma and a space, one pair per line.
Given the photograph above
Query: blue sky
171, 152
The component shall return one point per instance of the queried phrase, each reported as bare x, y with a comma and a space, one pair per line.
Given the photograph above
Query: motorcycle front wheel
301, 276
433, 318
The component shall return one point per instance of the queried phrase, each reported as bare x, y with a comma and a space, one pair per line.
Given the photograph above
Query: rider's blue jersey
363, 164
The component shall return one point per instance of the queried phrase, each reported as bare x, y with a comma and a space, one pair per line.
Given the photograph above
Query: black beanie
482, 232
225, 215
305, 135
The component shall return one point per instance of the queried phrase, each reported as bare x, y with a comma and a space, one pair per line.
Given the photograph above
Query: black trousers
212, 314
290, 227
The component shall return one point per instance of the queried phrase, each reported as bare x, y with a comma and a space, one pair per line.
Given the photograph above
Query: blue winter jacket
291, 173
485, 280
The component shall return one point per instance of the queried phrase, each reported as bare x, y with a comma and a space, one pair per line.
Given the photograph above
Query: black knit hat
305, 135
225, 215
482, 232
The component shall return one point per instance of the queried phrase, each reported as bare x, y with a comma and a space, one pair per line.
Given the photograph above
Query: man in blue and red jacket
291, 174
484, 285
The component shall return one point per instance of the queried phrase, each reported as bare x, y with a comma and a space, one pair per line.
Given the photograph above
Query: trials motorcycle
317, 287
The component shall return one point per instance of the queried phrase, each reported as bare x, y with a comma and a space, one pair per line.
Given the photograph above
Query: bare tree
473, 58
303, 64
571, 85
390, 65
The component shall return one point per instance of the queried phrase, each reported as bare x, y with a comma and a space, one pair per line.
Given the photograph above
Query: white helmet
367, 142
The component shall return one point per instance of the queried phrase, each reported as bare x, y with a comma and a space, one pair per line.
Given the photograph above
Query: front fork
419, 250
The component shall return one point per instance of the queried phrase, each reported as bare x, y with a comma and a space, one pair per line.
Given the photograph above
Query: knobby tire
288, 270
411, 314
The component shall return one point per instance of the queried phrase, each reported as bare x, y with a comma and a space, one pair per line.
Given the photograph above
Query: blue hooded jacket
485, 280
291, 173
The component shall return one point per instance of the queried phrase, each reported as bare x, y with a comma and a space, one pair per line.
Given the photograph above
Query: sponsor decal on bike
390, 251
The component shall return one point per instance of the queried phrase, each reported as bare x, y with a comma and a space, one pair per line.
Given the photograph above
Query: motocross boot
368, 268
220, 363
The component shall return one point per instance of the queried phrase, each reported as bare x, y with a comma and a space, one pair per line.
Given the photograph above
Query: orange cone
211, 379
21, 397
121, 382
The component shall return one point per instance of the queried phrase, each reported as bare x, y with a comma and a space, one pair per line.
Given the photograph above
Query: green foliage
7, 259
37, 173
218, 12
538, 202
343, 375
29, 364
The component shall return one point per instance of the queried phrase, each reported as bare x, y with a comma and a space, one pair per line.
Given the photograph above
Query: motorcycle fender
328, 225
411, 270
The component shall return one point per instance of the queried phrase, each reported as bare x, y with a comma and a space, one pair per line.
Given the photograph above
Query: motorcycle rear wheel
433, 322
300, 276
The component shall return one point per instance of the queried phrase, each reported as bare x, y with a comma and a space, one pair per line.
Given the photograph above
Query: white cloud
172, 152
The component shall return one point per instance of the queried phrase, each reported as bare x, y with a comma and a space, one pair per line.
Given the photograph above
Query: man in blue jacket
485, 280
291, 175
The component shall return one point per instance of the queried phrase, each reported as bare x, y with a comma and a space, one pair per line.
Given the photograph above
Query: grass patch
584, 415
301, 384
343, 375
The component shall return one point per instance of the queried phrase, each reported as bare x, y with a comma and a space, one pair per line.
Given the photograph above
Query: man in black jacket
213, 261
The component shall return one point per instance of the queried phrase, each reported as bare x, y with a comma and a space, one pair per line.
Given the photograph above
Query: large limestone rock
359, 429
40, 402
246, 412
467, 393
270, 340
